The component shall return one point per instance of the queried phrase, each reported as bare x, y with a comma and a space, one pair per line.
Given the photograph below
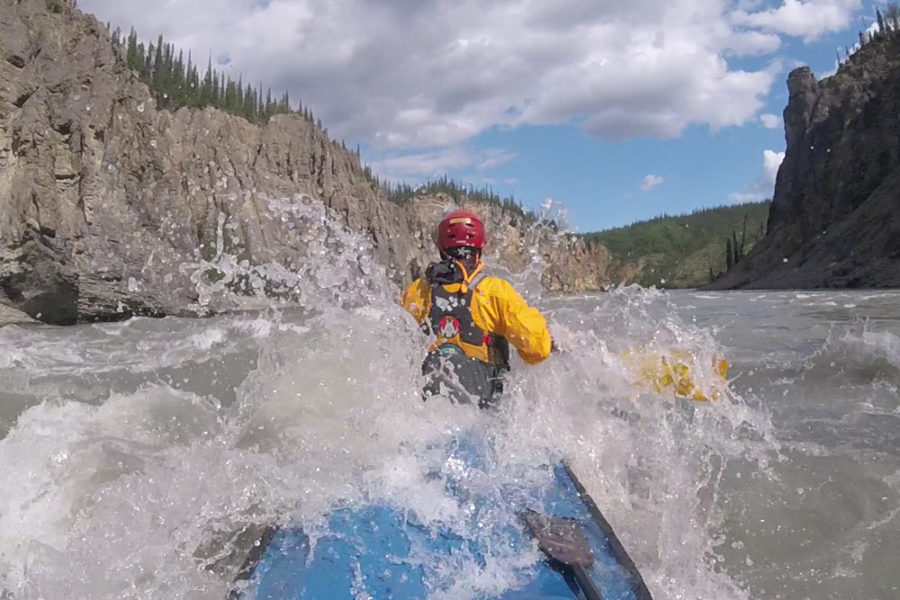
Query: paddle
564, 543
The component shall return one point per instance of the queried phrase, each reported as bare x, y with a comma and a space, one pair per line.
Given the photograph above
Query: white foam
136, 492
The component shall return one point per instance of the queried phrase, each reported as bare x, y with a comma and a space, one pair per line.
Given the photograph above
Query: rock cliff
111, 208
834, 220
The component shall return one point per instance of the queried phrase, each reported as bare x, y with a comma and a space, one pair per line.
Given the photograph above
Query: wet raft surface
385, 552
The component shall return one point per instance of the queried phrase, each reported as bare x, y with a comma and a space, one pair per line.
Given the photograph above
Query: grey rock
834, 220
11, 316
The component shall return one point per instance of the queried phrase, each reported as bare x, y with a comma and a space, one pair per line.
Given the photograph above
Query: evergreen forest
403, 193
684, 251
177, 81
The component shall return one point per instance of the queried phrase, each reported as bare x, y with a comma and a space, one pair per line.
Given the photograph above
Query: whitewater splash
143, 457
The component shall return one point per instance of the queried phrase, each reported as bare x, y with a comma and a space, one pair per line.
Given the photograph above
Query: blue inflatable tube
382, 552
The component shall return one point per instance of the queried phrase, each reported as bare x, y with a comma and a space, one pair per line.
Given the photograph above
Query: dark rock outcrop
835, 216
111, 208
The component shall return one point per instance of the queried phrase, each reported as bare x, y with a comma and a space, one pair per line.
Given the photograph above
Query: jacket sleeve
417, 299
524, 326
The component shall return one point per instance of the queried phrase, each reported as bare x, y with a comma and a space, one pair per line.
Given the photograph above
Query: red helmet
460, 228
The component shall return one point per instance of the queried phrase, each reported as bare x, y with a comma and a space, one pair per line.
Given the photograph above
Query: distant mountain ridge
684, 251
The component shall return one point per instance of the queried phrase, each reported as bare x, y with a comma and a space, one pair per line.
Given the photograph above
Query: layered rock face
111, 208
834, 220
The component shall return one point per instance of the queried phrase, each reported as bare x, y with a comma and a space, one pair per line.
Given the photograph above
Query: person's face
467, 255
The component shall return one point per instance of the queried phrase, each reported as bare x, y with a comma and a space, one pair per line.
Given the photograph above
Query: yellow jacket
497, 309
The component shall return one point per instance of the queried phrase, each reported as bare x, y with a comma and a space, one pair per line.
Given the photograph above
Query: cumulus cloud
771, 161
763, 187
411, 166
748, 43
650, 182
807, 19
400, 75
770, 121
743, 198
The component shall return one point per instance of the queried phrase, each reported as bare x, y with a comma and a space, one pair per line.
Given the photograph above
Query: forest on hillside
403, 193
684, 251
177, 81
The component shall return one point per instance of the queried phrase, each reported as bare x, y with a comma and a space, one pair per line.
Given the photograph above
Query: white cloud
743, 198
493, 157
770, 121
404, 74
771, 161
764, 186
807, 19
650, 182
746, 43
413, 166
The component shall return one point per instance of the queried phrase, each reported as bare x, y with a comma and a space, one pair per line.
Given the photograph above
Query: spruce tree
176, 83
892, 16
734, 247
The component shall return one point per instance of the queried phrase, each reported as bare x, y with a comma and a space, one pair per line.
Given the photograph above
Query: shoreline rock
12, 316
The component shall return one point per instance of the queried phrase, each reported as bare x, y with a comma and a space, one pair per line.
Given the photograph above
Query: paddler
472, 316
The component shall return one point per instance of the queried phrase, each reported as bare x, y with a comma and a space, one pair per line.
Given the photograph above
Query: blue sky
617, 110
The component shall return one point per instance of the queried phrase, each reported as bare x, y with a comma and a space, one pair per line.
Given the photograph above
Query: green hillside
684, 251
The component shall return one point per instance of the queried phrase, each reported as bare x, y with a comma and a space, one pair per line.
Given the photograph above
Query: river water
138, 457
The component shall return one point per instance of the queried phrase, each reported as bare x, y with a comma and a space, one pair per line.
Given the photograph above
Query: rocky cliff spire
834, 220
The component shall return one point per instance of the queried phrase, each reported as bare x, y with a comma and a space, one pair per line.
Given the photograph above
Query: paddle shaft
587, 586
